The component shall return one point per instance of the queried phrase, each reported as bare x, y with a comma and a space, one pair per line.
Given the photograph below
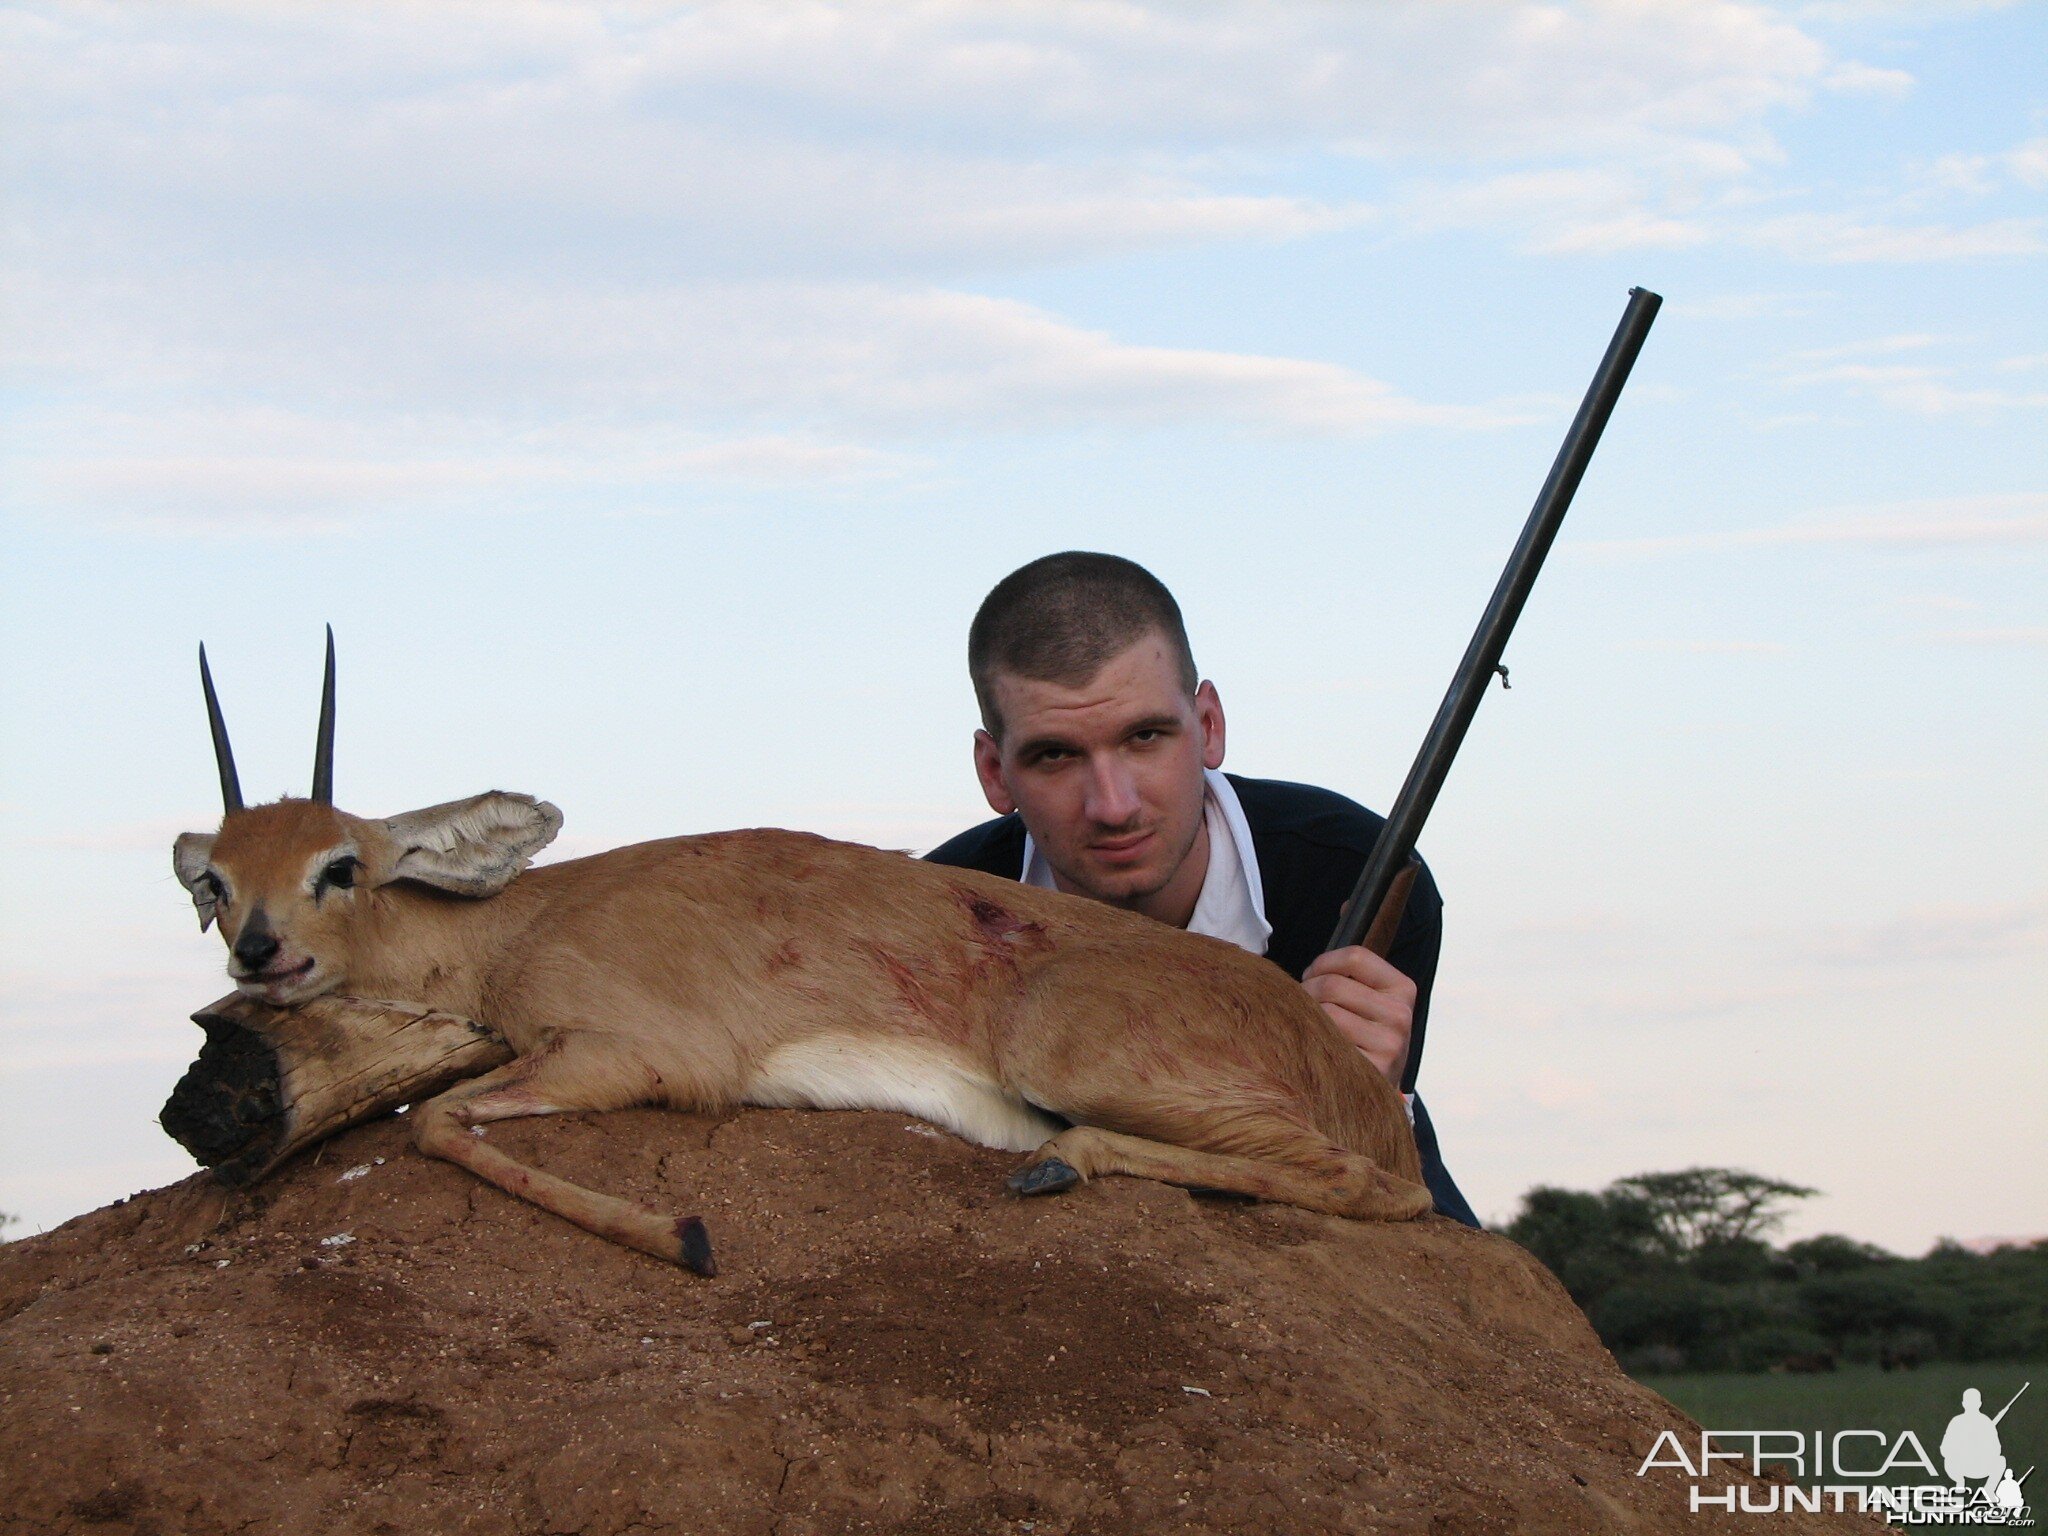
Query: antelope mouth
272, 985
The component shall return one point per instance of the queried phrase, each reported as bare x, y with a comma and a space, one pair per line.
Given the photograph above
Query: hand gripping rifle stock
1374, 911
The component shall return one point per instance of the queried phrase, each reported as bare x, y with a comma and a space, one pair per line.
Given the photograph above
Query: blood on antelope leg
1045, 1178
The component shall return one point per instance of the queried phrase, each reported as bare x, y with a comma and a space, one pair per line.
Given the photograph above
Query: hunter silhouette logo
1854, 1469
1970, 1448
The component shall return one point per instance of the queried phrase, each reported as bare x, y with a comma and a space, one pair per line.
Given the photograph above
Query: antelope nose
256, 948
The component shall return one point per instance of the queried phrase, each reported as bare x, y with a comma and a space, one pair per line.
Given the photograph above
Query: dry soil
372, 1342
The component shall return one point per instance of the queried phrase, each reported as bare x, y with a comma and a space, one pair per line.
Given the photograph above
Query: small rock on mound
373, 1342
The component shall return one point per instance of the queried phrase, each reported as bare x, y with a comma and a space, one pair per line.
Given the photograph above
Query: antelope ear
471, 847
190, 855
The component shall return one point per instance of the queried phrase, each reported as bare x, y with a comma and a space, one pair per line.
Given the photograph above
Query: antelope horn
223, 754
323, 749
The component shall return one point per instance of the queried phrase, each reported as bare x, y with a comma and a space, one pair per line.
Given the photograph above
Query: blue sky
648, 394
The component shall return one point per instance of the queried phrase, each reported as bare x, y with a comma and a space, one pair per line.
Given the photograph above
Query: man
1100, 752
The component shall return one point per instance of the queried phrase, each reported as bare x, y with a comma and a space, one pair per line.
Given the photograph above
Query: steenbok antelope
781, 969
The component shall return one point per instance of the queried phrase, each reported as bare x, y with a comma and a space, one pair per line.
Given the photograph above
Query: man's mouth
1126, 849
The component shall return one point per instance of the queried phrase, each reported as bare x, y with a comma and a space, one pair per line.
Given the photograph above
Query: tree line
1677, 1273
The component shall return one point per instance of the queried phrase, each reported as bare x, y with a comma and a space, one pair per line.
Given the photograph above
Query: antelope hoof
1046, 1178
696, 1246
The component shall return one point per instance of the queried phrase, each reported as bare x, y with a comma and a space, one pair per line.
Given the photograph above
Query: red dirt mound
372, 1342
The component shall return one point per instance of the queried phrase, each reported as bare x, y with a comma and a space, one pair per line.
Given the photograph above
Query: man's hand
1371, 1003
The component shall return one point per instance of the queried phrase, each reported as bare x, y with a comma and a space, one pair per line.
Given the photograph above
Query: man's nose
1112, 794
256, 946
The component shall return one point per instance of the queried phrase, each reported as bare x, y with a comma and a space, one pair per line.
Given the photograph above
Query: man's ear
1209, 715
190, 855
471, 847
988, 767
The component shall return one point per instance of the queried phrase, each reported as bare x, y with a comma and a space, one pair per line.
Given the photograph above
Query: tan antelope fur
778, 968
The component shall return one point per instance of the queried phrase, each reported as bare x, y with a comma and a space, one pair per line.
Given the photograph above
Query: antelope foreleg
448, 1127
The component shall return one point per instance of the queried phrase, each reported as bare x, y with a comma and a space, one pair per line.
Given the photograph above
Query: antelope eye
215, 891
341, 873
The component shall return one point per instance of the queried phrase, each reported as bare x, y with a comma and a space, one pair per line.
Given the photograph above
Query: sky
648, 394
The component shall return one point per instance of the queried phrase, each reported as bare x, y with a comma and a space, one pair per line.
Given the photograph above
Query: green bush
1676, 1272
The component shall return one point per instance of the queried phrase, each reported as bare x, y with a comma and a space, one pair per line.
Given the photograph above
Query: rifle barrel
2008, 1407
1396, 843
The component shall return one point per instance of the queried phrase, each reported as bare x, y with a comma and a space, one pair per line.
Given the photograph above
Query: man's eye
341, 873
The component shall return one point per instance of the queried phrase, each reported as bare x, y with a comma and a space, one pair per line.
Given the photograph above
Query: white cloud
1926, 935
1962, 174
1446, 75
1935, 397
1924, 391
303, 492
1916, 341
2028, 163
756, 355
1868, 80
1746, 306
1833, 237
1980, 175
1634, 231
485, 394
1911, 11
1714, 647
749, 224
964, 355
1863, 374
1959, 521
1558, 211
833, 139
752, 224
2018, 634
1936, 602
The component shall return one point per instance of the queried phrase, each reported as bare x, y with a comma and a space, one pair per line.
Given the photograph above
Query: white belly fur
842, 1072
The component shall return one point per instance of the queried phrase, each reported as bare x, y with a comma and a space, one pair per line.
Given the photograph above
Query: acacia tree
1702, 1208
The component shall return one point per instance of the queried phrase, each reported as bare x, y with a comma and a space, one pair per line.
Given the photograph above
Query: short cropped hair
1060, 618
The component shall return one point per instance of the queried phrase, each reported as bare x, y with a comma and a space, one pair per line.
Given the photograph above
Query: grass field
1864, 1397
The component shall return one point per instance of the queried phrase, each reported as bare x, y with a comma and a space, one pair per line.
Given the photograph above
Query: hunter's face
1108, 776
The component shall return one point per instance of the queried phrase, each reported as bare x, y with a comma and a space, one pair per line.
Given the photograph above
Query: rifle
1382, 889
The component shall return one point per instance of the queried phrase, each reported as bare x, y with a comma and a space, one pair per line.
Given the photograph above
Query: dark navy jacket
1311, 845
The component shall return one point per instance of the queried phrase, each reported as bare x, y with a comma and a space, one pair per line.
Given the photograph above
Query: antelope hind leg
1317, 1177
443, 1128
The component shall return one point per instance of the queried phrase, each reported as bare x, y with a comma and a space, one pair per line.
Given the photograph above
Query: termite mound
371, 1341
